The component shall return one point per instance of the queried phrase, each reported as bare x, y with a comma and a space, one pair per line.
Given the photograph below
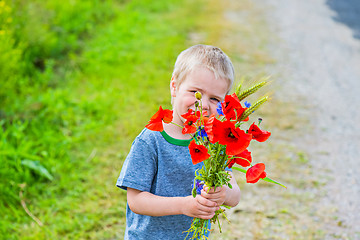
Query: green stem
240, 158
176, 124
218, 221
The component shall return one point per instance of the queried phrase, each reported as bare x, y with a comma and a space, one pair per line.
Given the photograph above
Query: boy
158, 172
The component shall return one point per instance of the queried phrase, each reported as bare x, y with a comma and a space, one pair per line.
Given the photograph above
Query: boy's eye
215, 99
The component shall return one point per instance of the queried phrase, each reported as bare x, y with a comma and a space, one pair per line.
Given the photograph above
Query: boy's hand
218, 195
200, 207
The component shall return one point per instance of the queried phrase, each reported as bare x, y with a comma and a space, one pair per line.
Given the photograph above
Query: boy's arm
224, 195
146, 203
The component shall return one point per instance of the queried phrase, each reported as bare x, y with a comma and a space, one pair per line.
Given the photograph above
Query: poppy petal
256, 172
258, 134
155, 122
243, 159
198, 153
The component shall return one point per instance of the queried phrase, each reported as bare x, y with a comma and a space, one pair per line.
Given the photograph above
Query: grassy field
79, 80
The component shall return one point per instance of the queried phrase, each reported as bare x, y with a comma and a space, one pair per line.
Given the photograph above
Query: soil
316, 74
318, 55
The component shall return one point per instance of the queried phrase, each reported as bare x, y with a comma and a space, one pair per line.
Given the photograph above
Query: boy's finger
206, 202
207, 210
209, 195
208, 189
206, 216
211, 190
206, 192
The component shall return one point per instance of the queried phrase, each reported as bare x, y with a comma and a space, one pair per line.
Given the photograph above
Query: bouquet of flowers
219, 142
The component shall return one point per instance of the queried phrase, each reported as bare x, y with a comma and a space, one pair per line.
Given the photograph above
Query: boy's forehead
204, 79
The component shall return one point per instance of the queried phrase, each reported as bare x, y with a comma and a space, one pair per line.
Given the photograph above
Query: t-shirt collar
179, 142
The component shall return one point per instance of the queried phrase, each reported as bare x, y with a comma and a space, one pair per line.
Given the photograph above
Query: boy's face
200, 79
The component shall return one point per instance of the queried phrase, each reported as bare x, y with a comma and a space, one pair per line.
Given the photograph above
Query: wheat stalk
250, 90
253, 108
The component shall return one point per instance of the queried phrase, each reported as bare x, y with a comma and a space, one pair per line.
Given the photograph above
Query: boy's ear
173, 87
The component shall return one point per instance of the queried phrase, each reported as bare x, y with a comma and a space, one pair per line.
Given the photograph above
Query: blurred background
80, 79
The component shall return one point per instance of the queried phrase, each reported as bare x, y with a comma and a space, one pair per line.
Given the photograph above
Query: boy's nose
205, 104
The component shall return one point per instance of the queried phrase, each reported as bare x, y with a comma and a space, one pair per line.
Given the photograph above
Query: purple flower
199, 185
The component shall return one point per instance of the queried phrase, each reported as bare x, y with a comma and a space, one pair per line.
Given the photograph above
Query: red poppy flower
205, 120
243, 159
191, 118
155, 122
190, 112
211, 124
198, 153
256, 172
258, 134
235, 139
231, 107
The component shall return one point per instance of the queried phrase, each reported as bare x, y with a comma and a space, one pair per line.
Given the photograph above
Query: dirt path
315, 119
318, 61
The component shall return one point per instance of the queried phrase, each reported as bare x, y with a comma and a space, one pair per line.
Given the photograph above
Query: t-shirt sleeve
139, 168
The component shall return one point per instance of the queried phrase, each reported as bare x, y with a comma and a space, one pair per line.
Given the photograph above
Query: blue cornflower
199, 185
201, 132
219, 109
247, 104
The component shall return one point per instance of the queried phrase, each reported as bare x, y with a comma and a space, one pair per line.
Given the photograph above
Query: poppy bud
196, 104
198, 95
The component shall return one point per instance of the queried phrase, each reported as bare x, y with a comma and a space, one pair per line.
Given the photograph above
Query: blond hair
213, 58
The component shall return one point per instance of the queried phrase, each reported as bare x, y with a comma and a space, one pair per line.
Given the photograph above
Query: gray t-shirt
159, 164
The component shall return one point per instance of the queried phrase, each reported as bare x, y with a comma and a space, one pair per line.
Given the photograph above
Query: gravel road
317, 47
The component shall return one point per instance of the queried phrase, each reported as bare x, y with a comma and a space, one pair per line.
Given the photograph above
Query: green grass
84, 79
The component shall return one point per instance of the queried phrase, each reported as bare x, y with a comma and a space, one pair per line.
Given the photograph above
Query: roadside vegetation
78, 81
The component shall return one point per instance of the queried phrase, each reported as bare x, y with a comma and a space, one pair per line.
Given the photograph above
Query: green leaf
239, 169
272, 181
265, 179
37, 168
